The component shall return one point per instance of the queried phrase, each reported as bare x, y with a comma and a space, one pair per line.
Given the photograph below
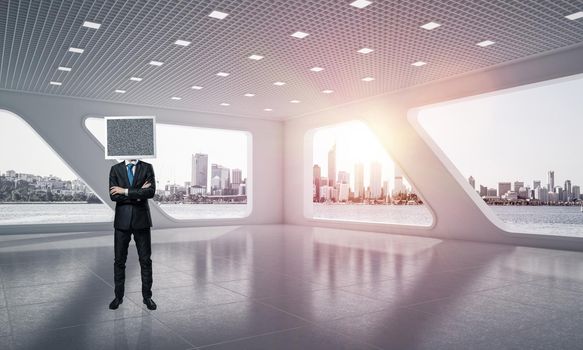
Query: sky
517, 135
175, 146
355, 143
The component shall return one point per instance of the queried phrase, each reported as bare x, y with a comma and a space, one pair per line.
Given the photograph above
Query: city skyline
516, 134
354, 143
176, 144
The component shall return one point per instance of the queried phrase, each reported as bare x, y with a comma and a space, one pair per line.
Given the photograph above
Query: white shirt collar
133, 161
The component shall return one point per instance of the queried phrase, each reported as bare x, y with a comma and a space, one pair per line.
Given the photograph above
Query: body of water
567, 221
549, 220
56, 213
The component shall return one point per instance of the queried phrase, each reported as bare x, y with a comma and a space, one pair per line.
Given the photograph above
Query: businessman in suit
131, 184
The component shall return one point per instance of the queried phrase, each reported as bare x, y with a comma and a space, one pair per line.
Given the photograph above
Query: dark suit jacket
132, 211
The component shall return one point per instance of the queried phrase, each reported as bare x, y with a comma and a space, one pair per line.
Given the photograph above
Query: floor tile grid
261, 301
510, 332
140, 304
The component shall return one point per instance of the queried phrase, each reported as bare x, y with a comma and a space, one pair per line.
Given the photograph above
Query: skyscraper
518, 185
551, 180
536, 184
567, 193
236, 179
199, 170
343, 177
504, 187
399, 185
375, 180
317, 176
483, 191
332, 166
225, 178
359, 180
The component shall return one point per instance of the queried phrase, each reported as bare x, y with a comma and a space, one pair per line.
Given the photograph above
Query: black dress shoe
150, 304
115, 303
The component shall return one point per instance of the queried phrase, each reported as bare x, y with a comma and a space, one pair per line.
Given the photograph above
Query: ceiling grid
35, 36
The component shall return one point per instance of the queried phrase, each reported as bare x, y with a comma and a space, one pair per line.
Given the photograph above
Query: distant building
332, 166
199, 170
568, 195
576, 192
518, 185
236, 179
492, 192
503, 187
536, 184
551, 180
343, 177
375, 180
399, 185
343, 192
472, 182
483, 191
523, 193
359, 180
541, 193
560, 193
316, 179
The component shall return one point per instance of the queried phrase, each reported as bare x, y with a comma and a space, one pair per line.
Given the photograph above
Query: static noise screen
130, 137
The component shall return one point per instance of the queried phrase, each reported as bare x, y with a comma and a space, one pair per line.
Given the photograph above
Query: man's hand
117, 190
147, 184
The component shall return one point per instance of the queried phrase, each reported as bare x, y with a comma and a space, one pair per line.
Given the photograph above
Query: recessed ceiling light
575, 15
120, 91
249, 95
57, 83
91, 25
327, 91
225, 104
256, 57
182, 42
135, 79
65, 69
368, 79
196, 87
222, 74
76, 50
430, 25
268, 109
156, 63
365, 50
361, 3
419, 63
300, 35
485, 43
279, 83
317, 69
294, 101
218, 14
176, 98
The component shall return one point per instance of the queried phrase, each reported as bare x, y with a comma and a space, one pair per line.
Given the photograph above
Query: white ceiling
35, 36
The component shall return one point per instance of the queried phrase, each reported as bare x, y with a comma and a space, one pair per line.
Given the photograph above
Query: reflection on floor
288, 287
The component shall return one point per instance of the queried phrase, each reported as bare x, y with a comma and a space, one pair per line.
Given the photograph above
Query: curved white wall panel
59, 121
392, 118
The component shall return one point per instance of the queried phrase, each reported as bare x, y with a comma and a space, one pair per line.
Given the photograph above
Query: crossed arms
118, 193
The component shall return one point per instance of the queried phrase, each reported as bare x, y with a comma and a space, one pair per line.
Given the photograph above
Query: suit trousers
143, 244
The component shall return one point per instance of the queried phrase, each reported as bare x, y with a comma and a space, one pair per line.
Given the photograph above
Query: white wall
459, 212
60, 121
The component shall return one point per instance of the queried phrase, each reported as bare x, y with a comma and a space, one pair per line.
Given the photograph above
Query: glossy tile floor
289, 287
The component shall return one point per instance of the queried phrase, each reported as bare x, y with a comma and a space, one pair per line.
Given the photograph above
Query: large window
201, 173
520, 151
36, 186
354, 179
